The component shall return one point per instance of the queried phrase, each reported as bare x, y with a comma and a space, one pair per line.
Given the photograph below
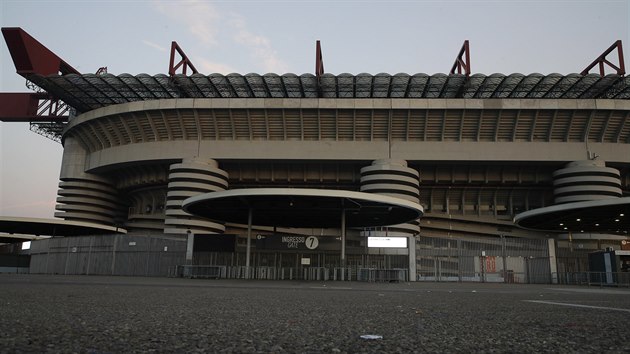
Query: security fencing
497, 260
439, 259
107, 255
601, 279
290, 273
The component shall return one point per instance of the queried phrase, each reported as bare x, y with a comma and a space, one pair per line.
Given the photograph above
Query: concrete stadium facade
496, 166
471, 163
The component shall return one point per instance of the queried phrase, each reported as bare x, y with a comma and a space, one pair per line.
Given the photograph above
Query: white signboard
387, 242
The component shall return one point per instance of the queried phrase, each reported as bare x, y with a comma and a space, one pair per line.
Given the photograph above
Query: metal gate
504, 260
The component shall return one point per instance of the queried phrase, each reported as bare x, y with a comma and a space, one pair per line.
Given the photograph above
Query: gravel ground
67, 314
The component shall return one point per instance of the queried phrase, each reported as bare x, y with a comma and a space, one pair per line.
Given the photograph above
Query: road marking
592, 291
578, 305
331, 287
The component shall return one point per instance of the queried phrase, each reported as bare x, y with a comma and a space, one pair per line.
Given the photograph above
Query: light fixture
578, 219
561, 224
596, 224
622, 214
565, 227
617, 220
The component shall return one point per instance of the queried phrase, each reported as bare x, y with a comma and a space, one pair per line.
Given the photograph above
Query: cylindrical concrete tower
395, 179
189, 178
84, 196
586, 180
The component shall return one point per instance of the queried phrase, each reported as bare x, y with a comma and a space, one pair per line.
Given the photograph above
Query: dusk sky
279, 36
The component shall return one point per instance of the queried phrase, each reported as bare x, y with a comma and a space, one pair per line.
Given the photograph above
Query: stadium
442, 177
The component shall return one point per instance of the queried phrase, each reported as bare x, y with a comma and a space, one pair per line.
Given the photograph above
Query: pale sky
279, 36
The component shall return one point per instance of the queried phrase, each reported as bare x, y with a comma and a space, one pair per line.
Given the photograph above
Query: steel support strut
32, 57
319, 67
601, 60
319, 60
184, 62
462, 62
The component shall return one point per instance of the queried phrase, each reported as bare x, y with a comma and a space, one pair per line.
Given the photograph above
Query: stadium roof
85, 92
52, 227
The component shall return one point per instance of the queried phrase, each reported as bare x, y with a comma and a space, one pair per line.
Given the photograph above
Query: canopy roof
53, 227
599, 216
90, 91
298, 207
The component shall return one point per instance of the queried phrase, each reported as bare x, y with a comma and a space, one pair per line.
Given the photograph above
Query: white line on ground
331, 287
592, 291
578, 305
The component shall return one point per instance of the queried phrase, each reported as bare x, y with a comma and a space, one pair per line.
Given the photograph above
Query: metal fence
107, 255
470, 259
290, 273
601, 279
499, 260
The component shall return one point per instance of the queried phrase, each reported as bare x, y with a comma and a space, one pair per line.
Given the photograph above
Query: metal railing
383, 275
281, 273
601, 279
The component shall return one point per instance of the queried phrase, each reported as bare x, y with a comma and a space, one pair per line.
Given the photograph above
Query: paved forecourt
119, 314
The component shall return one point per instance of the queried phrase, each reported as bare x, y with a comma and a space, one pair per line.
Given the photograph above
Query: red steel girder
184, 62
319, 60
32, 57
601, 60
31, 107
462, 62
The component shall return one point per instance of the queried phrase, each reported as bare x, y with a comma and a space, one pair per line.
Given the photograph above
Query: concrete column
553, 263
190, 247
248, 251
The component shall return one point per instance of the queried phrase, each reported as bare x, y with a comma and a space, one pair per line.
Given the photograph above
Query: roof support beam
184, 62
31, 107
319, 67
32, 57
462, 62
319, 60
601, 60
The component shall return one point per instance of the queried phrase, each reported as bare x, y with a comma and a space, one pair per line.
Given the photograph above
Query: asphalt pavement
93, 314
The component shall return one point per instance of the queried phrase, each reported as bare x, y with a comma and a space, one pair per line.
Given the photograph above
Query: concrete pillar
553, 263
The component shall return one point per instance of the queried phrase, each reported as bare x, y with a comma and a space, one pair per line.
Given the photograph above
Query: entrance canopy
611, 216
53, 227
297, 207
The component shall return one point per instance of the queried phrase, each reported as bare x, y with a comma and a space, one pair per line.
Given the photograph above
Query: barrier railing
382, 275
618, 279
264, 273
601, 279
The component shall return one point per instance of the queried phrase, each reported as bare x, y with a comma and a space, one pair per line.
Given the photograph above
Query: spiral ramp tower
584, 181
85, 197
189, 178
393, 178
